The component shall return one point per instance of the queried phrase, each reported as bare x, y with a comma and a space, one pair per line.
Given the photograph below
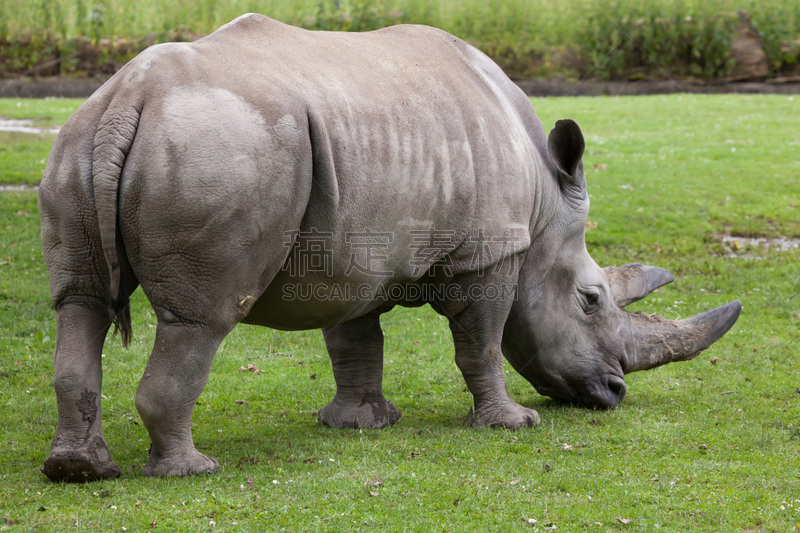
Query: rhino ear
632, 282
566, 146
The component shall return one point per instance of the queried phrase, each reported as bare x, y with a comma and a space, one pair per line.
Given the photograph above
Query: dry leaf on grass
250, 368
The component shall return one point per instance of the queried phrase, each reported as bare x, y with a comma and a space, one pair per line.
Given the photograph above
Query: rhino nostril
617, 386
604, 392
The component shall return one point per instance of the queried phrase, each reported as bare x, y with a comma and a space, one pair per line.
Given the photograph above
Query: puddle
24, 126
745, 246
13, 188
13, 131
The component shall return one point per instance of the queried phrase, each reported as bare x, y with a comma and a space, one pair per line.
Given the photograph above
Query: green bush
778, 23
625, 39
606, 40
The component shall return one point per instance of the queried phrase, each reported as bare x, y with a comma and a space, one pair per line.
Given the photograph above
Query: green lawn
24, 155
709, 445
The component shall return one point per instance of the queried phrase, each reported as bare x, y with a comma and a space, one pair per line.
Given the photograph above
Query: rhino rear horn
632, 282
566, 145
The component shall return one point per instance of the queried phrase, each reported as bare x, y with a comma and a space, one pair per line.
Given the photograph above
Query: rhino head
568, 333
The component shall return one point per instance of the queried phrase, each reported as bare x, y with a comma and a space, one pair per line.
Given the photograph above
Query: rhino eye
591, 302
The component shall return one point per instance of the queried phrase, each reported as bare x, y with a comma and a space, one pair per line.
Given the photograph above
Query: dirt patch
534, 87
87, 405
751, 247
84, 87
48, 87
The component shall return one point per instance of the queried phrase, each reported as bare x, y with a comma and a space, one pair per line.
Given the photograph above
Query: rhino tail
112, 142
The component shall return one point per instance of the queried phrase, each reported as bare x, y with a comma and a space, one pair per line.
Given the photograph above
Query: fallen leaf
455, 502
548, 468
242, 402
600, 166
249, 481
714, 361
373, 494
313, 376
624, 521
412, 455
566, 447
250, 368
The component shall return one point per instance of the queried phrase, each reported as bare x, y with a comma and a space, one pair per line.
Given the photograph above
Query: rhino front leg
356, 351
174, 377
477, 334
79, 452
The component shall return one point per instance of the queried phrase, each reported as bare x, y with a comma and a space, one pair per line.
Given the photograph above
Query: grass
708, 445
23, 155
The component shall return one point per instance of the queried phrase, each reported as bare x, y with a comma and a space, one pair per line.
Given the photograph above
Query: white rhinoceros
294, 179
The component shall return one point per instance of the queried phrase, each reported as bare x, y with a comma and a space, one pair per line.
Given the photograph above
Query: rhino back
263, 130
411, 129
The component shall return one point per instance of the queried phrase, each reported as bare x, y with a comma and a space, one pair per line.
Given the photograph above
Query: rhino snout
604, 392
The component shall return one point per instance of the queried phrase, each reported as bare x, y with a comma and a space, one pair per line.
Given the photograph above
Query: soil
643, 87
25, 87
84, 87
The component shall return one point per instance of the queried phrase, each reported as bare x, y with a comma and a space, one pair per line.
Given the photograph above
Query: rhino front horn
657, 341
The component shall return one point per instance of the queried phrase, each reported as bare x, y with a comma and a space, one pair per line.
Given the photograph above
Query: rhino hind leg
174, 377
356, 351
477, 332
79, 452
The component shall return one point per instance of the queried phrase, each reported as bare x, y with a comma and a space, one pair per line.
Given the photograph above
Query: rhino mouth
597, 392
604, 392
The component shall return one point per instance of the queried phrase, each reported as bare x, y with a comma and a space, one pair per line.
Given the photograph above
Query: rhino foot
507, 415
375, 413
89, 462
179, 465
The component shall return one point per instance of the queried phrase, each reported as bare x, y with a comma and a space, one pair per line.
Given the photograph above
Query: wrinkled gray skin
193, 171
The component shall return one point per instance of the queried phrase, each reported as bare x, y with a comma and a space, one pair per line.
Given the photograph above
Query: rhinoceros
294, 179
